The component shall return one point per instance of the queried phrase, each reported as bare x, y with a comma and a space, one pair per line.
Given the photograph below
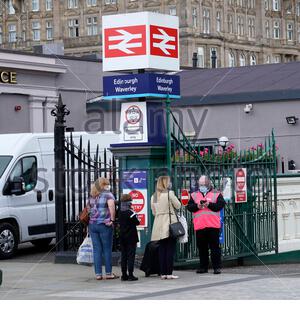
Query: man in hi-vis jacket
206, 204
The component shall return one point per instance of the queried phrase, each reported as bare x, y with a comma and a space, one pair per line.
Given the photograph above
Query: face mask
203, 189
107, 188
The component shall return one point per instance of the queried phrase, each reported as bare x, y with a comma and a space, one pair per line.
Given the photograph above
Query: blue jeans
102, 238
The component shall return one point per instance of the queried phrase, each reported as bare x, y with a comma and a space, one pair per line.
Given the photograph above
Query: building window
268, 59
298, 8
231, 59
290, 31
36, 32
267, 5
240, 22
206, 21
73, 28
49, 5
195, 17
276, 30
173, 11
49, 30
267, 28
275, 5
211, 55
230, 23
242, 60
110, 1
1, 36
252, 60
12, 33
200, 57
92, 26
23, 35
91, 3
72, 4
251, 28
251, 4
35, 5
218, 16
277, 59
11, 9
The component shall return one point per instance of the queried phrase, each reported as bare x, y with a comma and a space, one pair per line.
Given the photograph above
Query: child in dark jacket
128, 237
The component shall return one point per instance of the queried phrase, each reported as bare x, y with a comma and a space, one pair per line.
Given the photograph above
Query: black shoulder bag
176, 229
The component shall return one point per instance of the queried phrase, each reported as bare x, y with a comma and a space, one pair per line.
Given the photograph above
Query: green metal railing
250, 228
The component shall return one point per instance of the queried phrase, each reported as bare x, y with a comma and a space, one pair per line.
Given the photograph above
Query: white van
30, 215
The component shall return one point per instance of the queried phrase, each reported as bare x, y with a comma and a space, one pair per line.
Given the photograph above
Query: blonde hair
98, 186
162, 184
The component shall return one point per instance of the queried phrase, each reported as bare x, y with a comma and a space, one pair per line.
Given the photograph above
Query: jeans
102, 238
166, 253
208, 238
127, 257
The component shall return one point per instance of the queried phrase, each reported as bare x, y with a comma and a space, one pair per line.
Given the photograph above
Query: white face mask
107, 188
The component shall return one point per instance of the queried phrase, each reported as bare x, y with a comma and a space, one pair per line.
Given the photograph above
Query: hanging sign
141, 85
240, 175
133, 123
141, 40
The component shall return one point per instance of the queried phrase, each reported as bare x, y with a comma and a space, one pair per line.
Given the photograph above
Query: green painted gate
250, 228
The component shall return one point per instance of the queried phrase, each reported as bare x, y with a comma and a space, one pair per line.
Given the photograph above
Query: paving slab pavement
23, 279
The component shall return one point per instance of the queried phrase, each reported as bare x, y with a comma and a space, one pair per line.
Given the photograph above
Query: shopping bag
185, 237
85, 252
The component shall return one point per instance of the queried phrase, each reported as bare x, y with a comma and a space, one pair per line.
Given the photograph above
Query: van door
29, 208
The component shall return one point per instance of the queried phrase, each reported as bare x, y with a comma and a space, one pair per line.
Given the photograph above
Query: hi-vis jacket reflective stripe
206, 218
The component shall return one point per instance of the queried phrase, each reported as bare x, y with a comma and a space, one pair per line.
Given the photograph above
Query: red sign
240, 185
164, 41
138, 201
142, 219
125, 41
185, 197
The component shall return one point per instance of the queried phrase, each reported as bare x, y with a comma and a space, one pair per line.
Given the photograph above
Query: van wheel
8, 240
42, 243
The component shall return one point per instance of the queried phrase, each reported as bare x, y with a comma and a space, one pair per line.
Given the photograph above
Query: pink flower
201, 153
260, 145
206, 150
253, 148
277, 147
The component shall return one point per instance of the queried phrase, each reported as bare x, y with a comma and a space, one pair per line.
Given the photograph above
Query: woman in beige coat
164, 202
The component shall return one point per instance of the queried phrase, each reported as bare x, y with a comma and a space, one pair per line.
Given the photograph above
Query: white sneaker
171, 276
162, 277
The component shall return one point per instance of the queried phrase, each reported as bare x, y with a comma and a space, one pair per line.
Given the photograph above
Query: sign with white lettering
141, 85
142, 40
8, 77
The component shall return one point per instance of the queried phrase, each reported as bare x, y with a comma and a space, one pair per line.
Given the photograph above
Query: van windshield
4, 161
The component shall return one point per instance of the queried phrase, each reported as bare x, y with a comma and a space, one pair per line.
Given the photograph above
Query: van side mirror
16, 186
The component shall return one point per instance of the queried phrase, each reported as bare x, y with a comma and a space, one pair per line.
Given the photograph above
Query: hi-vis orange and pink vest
206, 218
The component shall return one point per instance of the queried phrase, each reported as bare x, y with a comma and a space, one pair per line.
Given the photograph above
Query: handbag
176, 229
84, 216
85, 252
185, 237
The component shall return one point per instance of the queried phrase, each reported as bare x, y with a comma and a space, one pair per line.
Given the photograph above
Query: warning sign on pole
135, 184
240, 175
185, 197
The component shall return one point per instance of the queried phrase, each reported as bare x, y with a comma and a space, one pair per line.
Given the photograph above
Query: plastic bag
185, 237
85, 252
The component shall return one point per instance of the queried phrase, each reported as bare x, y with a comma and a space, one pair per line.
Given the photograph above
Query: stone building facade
242, 32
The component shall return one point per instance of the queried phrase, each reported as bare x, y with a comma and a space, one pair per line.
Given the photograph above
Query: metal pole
213, 59
59, 162
168, 110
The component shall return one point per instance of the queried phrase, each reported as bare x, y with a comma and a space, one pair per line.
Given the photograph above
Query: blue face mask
203, 189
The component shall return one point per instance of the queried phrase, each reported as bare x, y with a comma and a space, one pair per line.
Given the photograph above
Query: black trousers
166, 253
208, 238
127, 257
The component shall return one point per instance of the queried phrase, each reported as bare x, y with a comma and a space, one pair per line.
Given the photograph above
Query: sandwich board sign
142, 40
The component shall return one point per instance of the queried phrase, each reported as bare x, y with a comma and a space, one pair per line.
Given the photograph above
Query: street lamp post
223, 142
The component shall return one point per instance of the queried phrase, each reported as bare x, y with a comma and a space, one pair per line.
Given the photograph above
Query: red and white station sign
143, 40
139, 205
185, 197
